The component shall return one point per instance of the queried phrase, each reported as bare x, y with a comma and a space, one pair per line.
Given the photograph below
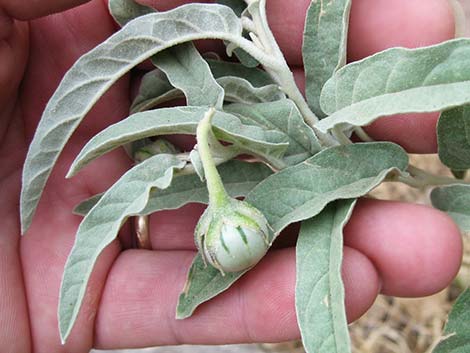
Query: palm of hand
142, 286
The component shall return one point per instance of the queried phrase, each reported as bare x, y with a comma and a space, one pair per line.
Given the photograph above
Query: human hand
390, 247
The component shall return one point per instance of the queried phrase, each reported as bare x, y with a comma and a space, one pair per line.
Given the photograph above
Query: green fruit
233, 238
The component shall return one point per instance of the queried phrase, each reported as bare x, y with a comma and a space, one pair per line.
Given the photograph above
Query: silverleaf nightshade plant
303, 166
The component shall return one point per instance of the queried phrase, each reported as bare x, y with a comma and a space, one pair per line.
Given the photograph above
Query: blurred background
392, 325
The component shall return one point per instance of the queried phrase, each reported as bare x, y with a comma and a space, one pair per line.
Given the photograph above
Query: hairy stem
420, 178
218, 197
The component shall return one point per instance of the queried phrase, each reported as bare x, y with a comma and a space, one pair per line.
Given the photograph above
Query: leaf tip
25, 215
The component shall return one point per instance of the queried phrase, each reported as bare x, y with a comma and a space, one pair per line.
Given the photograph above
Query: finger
138, 304
415, 132
174, 229
44, 251
417, 250
378, 25
14, 332
377, 253
27, 10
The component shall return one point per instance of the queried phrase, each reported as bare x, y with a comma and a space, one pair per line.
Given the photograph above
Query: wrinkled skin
390, 247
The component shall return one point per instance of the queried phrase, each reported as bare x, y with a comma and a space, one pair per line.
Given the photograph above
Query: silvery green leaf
86, 205
319, 292
196, 162
154, 89
324, 46
398, 81
283, 116
124, 11
92, 75
239, 179
453, 137
239, 90
187, 70
239, 6
245, 58
269, 144
455, 200
457, 334
219, 152
202, 284
127, 197
301, 192
255, 76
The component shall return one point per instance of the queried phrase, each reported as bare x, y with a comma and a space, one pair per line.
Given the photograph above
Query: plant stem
277, 67
433, 179
217, 195
364, 136
420, 178
341, 137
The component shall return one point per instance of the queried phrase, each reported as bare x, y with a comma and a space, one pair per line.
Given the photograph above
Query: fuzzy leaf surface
283, 116
257, 77
187, 70
455, 200
324, 46
319, 292
456, 331
181, 120
301, 192
453, 137
154, 89
398, 81
94, 73
239, 90
127, 197
124, 11
239, 179
202, 284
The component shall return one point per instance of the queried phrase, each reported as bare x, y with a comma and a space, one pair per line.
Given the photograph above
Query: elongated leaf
203, 283
155, 88
239, 179
239, 90
283, 116
457, 339
181, 120
96, 71
455, 200
453, 137
189, 72
127, 197
124, 11
302, 191
398, 81
298, 193
319, 292
324, 46
255, 76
